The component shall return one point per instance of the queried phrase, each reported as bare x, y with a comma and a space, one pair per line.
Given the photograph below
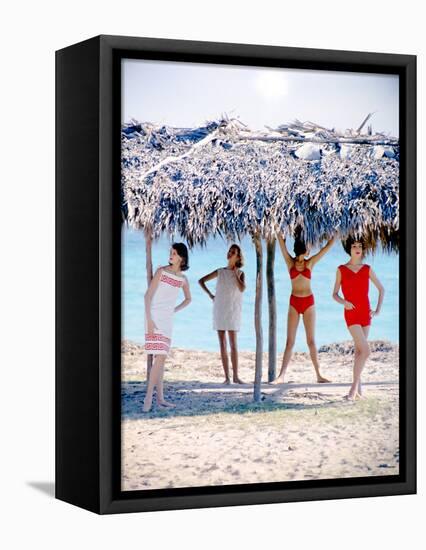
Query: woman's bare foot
278, 380
227, 381
322, 380
166, 404
146, 406
349, 397
237, 380
359, 396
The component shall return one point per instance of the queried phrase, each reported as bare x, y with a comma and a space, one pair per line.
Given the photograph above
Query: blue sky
189, 94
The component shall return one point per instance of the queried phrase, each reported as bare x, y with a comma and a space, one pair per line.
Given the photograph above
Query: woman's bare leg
224, 355
309, 322
366, 330
153, 380
160, 390
234, 356
292, 324
362, 351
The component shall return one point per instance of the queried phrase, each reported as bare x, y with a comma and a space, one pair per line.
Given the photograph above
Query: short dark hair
240, 262
347, 244
182, 252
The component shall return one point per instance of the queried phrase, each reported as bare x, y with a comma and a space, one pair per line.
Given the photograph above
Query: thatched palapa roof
224, 179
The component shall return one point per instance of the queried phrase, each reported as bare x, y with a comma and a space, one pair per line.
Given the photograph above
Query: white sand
218, 436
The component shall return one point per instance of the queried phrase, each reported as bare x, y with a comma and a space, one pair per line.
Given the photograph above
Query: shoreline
217, 435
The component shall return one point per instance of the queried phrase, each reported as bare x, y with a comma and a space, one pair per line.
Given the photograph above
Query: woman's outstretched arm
287, 258
381, 290
321, 253
202, 282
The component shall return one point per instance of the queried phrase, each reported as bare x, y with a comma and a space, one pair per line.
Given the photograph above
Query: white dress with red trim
227, 302
162, 312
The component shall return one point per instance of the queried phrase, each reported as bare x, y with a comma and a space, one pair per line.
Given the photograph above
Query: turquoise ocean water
193, 326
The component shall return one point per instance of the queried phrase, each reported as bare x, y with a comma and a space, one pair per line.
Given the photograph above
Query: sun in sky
272, 84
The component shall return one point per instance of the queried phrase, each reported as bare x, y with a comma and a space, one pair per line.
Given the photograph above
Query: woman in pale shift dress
160, 302
227, 304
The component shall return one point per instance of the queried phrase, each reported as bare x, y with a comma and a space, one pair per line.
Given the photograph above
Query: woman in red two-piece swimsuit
301, 302
354, 278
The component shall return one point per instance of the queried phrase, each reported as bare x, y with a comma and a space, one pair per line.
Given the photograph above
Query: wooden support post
272, 308
258, 319
149, 275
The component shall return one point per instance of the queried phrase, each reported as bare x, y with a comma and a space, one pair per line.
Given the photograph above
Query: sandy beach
301, 430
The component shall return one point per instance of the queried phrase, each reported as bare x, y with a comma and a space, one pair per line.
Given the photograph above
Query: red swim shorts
301, 303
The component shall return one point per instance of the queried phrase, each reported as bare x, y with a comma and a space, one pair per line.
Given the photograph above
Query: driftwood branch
169, 160
366, 119
352, 140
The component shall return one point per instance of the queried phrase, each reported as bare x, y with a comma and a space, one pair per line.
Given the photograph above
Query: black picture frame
88, 274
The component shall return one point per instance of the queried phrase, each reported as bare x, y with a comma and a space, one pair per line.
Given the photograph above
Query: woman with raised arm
354, 277
301, 302
227, 307
160, 302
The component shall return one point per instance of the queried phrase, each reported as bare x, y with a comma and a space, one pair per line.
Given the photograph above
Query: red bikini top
305, 273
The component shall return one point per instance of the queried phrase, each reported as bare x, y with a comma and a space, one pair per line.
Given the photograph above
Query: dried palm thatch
223, 179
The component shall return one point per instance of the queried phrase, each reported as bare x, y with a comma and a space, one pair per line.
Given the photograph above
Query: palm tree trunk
258, 319
148, 265
272, 305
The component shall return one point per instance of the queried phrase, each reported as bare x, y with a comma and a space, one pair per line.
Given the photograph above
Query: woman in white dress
227, 307
160, 302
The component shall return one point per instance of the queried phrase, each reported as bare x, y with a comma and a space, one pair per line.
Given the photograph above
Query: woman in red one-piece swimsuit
301, 302
354, 278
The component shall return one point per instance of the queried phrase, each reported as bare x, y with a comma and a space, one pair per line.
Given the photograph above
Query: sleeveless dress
355, 290
227, 303
162, 310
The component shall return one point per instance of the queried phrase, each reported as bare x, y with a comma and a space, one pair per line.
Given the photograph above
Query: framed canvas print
236, 292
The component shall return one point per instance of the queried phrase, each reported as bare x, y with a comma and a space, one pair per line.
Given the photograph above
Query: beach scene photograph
259, 275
